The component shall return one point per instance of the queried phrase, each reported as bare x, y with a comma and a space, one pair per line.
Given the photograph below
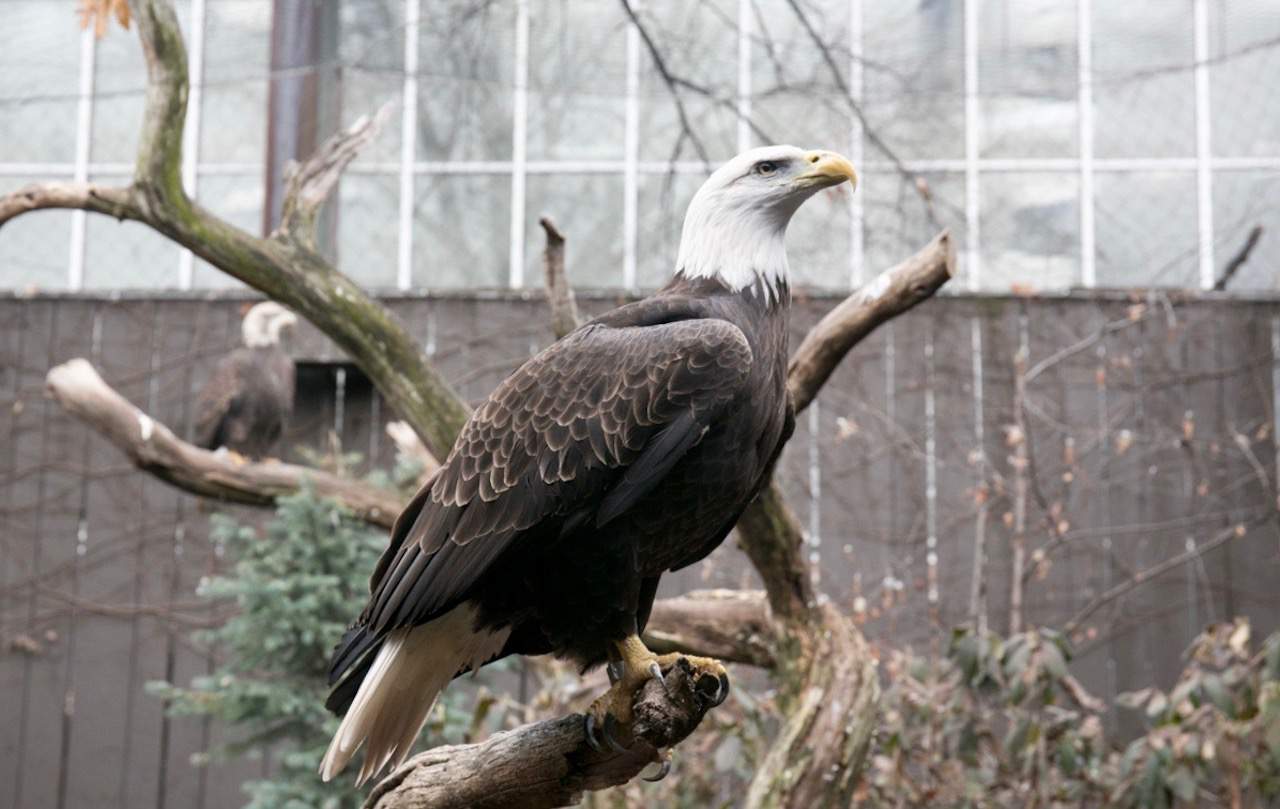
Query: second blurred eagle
248, 399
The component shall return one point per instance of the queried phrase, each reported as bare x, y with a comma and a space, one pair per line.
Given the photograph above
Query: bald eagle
627, 449
249, 397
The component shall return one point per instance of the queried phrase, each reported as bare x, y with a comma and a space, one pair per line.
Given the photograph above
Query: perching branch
564, 309
284, 266
546, 764
154, 448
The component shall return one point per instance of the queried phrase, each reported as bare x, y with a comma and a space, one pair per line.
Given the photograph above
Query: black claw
615, 671
723, 692
609, 724
655, 671
589, 730
663, 768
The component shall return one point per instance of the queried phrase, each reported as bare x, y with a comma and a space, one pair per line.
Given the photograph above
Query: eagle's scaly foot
612, 711
710, 676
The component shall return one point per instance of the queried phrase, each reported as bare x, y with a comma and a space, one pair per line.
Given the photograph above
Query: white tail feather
411, 669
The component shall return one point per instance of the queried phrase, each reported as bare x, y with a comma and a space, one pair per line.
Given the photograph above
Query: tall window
1066, 143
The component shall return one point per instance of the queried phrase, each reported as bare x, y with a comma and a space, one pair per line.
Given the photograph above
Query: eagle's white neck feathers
739, 247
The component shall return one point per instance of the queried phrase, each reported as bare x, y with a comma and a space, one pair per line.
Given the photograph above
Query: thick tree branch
733, 626
546, 764
888, 295
154, 448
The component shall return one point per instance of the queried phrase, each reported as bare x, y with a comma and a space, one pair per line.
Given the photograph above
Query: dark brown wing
578, 433
218, 399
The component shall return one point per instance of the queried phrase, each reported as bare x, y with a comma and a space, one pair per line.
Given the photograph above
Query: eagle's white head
264, 322
736, 226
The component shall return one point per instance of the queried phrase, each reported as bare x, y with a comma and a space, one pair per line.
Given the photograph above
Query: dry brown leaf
99, 13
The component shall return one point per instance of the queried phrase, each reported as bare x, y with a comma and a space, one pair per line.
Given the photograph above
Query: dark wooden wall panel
903, 409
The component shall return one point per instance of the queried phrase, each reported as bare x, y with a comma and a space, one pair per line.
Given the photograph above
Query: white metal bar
408, 144
972, 131
84, 140
745, 21
191, 131
519, 143
1204, 148
1084, 68
930, 467
631, 162
1070, 165
857, 247
815, 489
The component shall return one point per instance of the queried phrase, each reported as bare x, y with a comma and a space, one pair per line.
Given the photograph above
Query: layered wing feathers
581, 431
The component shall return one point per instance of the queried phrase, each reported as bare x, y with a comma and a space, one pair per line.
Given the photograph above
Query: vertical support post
84, 138
1084, 101
631, 157
856, 212
191, 130
972, 131
408, 143
744, 74
1204, 147
302, 104
815, 492
519, 131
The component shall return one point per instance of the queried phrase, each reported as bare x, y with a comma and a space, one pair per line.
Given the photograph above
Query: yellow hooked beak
827, 169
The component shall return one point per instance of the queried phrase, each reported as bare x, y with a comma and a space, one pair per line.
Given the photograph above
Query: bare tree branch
889, 294
154, 448
546, 764
104, 199
1173, 562
309, 184
564, 309
730, 625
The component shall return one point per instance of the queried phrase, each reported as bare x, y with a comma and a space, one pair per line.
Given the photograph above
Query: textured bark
564, 309
546, 764
733, 626
154, 448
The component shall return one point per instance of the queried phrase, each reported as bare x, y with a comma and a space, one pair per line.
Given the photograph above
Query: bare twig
153, 447
686, 126
1143, 576
838, 76
1238, 260
564, 309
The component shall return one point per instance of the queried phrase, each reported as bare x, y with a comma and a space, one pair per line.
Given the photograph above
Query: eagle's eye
766, 167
